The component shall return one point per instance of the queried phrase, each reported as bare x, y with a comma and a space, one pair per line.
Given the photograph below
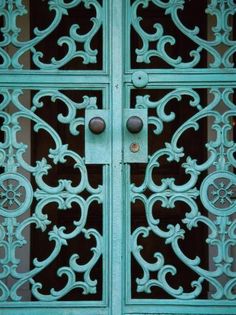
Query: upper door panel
70, 36
181, 34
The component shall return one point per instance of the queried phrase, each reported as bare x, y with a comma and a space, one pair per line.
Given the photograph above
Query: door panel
76, 31
180, 34
183, 198
135, 219
49, 205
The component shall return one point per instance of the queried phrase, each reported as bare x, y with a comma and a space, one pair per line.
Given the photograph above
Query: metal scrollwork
10, 10
222, 10
17, 194
217, 194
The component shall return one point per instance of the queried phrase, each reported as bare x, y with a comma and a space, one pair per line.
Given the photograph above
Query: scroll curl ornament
10, 10
222, 32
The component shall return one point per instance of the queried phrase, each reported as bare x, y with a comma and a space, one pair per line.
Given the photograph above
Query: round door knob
134, 124
97, 125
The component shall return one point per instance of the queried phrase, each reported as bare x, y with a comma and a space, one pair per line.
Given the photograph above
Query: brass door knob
97, 125
134, 124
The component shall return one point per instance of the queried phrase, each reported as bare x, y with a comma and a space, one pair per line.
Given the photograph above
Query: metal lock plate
135, 144
97, 146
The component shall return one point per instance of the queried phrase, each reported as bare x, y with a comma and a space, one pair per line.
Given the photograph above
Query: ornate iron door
117, 157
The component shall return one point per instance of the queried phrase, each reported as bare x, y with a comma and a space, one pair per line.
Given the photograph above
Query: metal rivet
140, 79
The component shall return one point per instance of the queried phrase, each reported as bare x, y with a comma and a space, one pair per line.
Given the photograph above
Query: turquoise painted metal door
117, 157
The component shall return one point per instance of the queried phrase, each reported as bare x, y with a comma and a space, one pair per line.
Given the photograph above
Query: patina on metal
116, 138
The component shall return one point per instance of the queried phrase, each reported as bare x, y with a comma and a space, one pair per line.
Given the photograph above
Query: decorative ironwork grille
132, 219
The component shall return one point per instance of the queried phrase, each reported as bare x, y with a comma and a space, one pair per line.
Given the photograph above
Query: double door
117, 157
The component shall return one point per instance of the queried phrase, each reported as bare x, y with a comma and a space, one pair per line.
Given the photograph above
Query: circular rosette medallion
16, 195
218, 193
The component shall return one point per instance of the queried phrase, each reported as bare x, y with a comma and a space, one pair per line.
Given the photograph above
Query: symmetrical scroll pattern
221, 48
11, 10
217, 194
17, 194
